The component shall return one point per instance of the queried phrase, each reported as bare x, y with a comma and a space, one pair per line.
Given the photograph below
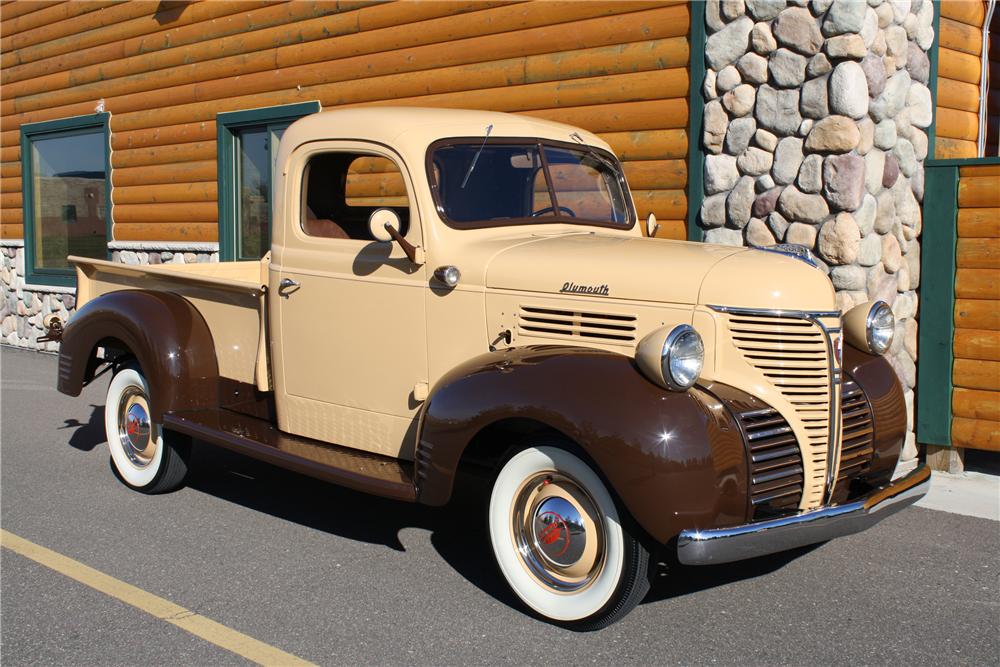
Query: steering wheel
551, 209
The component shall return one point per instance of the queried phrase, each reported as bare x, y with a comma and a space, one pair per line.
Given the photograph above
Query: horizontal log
977, 344
656, 174
956, 124
16, 19
162, 136
208, 44
665, 204
979, 223
975, 434
116, 34
10, 169
670, 229
978, 253
181, 172
10, 198
106, 13
959, 66
960, 37
975, 404
204, 191
323, 78
11, 231
81, 109
375, 185
10, 184
952, 149
372, 202
979, 170
651, 115
978, 283
11, 216
977, 314
965, 11
191, 152
959, 95
167, 231
648, 145
977, 374
10, 153
152, 213
979, 192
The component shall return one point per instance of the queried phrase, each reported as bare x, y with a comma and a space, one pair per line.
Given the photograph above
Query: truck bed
231, 296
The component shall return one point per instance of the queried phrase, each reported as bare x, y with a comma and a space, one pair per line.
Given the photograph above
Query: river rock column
815, 132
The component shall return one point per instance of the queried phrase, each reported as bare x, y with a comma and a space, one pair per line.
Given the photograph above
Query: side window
342, 190
65, 175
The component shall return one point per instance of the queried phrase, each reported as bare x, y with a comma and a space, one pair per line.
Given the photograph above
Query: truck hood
642, 269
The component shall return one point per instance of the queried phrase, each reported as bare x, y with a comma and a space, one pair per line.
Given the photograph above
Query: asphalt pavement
337, 577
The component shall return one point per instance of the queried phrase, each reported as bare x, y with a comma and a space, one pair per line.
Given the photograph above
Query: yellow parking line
165, 610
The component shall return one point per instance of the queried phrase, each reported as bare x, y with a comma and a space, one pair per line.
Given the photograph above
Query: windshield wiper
489, 128
590, 151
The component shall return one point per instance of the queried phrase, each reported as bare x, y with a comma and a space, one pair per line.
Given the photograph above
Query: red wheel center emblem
555, 528
132, 426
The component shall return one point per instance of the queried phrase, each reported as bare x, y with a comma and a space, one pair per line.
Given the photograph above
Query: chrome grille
557, 323
776, 473
792, 351
858, 432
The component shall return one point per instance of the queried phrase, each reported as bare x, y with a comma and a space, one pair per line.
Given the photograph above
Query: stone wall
815, 132
23, 306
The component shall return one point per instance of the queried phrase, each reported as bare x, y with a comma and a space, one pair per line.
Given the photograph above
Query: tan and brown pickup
464, 291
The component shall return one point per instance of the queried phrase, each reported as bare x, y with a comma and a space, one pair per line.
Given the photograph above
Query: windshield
479, 183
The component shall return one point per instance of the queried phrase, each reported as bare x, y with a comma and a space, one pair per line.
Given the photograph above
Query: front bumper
725, 545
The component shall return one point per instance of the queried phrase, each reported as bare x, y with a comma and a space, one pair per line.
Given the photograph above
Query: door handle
285, 284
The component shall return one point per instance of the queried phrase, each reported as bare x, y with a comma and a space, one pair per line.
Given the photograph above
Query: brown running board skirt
260, 439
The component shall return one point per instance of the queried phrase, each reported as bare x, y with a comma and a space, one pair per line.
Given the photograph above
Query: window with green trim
66, 195
248, 149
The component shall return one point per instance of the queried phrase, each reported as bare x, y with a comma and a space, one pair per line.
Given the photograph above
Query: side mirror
378, 222
651, 225
384, 225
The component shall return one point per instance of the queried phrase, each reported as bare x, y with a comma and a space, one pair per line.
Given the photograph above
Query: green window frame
64, 127
229, 127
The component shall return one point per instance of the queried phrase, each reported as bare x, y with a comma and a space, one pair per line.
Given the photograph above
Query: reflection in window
68, 197
257, 149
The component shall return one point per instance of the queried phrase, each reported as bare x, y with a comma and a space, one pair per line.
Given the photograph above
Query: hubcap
134, 429
558, 532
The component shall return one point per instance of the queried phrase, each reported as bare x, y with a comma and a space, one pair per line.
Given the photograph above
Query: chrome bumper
725, 545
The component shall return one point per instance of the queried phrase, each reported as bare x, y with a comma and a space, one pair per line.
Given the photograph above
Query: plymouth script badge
595, 290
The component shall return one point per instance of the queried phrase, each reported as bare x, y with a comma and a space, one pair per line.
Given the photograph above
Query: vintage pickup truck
497, 307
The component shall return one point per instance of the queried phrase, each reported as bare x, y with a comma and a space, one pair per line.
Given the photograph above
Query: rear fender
165, 333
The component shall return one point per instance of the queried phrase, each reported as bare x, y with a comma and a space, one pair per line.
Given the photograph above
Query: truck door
348, 324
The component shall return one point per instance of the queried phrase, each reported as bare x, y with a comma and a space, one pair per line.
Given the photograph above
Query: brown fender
165, 333
878, 380
675, 459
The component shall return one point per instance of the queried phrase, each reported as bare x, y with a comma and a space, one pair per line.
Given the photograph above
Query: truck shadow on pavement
458, 531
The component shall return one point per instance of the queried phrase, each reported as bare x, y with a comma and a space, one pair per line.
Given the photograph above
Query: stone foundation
24, 306
815, 133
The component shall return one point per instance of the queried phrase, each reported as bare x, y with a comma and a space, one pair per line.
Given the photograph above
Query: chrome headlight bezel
879, 343
660, 353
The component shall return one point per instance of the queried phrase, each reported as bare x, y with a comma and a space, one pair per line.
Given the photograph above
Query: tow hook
53, 329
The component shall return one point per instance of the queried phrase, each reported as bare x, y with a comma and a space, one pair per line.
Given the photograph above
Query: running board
260, 439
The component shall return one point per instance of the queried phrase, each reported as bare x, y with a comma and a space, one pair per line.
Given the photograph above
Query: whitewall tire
560, 542
141, 456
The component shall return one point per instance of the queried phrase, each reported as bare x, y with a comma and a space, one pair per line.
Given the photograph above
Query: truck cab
450, 289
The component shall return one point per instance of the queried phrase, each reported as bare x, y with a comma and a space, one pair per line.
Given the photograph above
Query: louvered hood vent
538, 322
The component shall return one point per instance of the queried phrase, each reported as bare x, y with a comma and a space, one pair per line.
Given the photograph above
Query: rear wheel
560, 542
142, 457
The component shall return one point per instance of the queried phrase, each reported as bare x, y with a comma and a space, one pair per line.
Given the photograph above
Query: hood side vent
538, 322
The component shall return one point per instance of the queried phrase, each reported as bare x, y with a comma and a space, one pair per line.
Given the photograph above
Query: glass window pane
254, 193
586, 185
68, 201
480, 183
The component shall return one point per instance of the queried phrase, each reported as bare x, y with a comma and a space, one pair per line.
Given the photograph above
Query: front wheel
141, 456
560, 543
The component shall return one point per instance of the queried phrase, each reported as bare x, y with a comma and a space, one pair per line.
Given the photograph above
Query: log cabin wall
960, 40
976, 370
164, 70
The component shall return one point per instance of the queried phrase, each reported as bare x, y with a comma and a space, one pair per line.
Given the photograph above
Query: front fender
881, 385
165, 332
675, 459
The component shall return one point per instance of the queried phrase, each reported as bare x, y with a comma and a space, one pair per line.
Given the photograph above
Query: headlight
870, 327
673, 358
